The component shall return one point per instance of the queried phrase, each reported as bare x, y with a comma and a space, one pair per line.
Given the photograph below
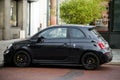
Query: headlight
8, 47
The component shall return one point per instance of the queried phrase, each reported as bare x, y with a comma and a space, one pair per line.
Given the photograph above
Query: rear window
94, 32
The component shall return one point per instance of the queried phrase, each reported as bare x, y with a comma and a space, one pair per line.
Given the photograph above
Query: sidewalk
116, 56
5, 43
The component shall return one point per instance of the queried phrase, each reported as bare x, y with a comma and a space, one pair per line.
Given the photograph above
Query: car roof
74, 25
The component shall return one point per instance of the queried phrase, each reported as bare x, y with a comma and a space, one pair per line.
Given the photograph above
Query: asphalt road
105, 72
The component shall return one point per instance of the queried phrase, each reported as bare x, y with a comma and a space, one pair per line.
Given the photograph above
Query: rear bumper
106, 57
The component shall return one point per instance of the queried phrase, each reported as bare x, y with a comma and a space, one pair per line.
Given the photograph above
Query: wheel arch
94, 52
23, 49
94, 60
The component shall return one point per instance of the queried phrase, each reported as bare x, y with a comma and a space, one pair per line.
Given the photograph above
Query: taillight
101, 45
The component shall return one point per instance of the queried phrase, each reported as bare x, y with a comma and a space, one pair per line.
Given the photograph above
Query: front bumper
7, 57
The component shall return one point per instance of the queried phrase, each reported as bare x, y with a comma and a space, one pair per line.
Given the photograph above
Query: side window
76, 33
54, 33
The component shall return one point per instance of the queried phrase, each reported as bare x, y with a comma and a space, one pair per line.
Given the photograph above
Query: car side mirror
40, 39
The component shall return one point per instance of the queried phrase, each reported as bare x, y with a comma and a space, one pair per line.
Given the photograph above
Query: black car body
61, 45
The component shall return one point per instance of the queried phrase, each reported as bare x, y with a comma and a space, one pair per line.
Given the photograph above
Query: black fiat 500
61, 45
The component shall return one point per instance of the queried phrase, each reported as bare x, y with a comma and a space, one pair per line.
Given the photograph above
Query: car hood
21, 41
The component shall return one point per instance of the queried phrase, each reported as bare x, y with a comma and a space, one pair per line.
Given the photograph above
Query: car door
78, 42
53, 46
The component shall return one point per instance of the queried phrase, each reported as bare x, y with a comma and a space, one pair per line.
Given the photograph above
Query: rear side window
76, 33
95, 33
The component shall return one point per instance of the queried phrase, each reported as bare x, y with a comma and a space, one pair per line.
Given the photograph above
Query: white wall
38, 15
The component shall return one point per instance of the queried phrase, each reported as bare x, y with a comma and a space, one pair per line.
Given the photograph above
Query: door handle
65, 44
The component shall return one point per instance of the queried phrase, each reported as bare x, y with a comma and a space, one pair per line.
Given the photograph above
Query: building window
14, 13
116, 16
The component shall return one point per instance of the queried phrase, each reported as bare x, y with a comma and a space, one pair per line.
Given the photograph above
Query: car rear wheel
22, 59
90, 61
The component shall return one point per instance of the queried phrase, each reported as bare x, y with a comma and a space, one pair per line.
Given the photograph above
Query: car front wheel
22, 59
90, 61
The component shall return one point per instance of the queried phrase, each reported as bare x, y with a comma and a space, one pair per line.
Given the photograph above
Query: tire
21, 59
90, 61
